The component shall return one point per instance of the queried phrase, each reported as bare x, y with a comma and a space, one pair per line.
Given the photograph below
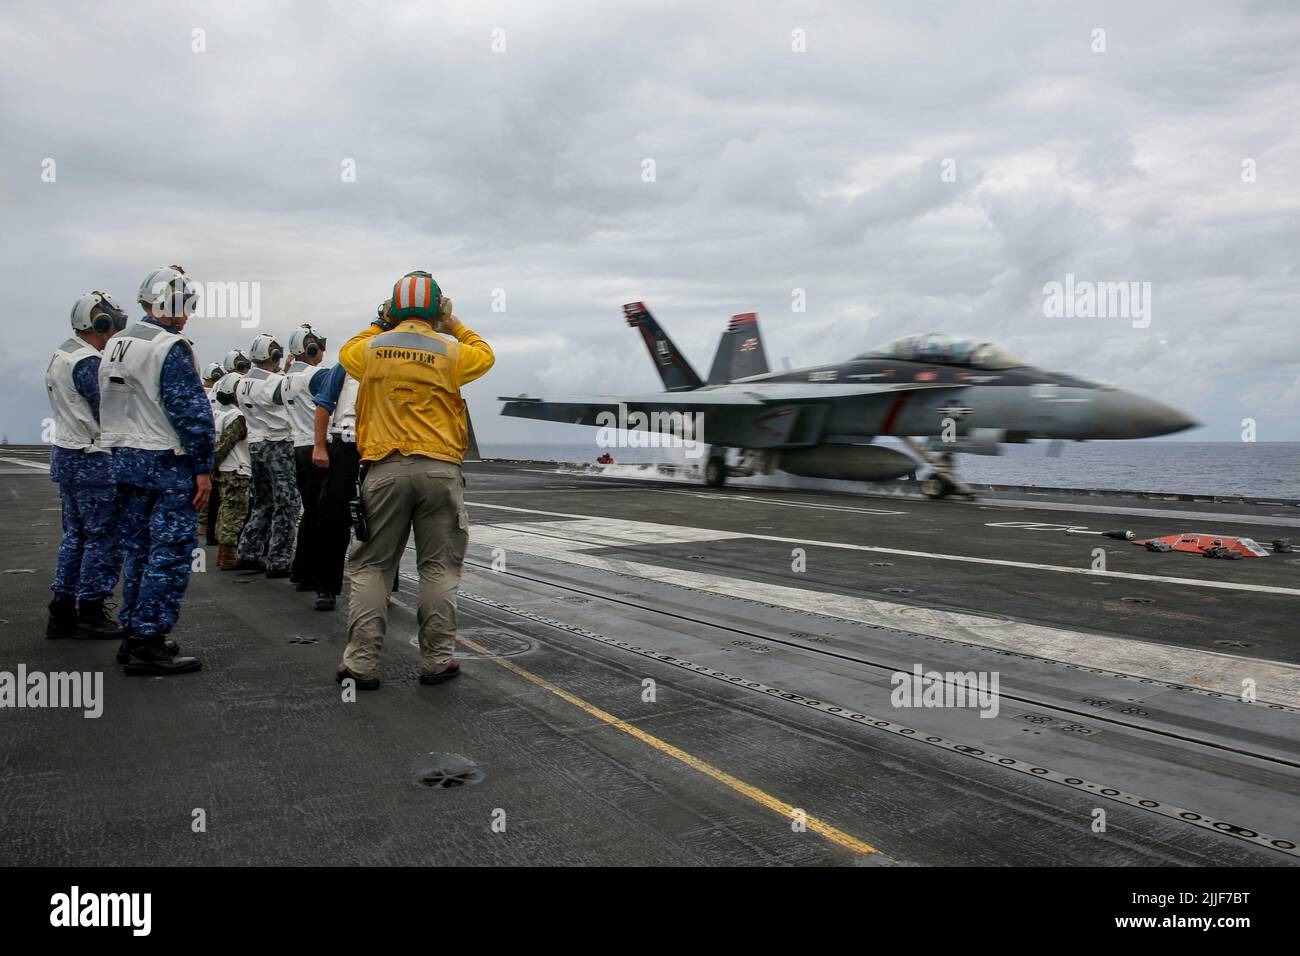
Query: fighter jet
958, 394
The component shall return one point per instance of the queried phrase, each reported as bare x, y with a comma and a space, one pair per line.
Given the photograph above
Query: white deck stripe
1030, 504
26, 464
936, 556
784, 504
1208, 670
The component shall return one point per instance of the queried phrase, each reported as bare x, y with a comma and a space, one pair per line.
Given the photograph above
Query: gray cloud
775, 170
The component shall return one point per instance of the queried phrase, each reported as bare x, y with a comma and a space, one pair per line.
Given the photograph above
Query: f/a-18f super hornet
959, 394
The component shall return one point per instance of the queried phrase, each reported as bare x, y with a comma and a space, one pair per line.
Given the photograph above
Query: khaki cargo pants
401, 493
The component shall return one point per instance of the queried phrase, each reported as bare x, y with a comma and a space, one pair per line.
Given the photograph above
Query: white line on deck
1208, 670
647, 526
26, 464
784, 504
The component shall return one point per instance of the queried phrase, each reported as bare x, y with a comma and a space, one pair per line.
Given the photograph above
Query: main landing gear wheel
715, 471
934, 487
943, 481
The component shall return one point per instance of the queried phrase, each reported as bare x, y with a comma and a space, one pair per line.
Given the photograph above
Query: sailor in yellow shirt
411, 430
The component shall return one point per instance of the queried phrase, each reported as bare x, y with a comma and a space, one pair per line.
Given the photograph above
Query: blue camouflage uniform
89, 553
155, 489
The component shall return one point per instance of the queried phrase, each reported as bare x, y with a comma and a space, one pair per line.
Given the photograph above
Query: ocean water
1266, 469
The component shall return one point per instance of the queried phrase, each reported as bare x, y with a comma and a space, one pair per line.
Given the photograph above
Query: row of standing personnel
139, 435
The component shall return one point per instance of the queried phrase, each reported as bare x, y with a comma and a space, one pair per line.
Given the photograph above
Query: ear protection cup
97, 312
276, 355
313, 350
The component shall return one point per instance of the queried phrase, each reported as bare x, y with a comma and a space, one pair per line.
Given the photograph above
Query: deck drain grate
1234, 643
447, 771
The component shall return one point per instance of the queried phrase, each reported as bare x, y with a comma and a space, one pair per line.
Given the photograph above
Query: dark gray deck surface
771, 693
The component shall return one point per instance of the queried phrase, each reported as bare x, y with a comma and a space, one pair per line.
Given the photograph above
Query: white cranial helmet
97, 312
226, 386
266, 349
305, 340
168, 291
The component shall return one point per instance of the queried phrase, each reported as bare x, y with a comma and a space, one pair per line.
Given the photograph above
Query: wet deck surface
648, 680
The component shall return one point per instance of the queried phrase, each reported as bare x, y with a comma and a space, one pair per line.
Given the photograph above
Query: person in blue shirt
302, 379
157, 418
89, 556
334, 454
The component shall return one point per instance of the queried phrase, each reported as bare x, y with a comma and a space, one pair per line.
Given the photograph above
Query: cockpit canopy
941, 348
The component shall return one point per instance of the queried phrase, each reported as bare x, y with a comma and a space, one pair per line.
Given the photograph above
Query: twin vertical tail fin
674, 370
740, 353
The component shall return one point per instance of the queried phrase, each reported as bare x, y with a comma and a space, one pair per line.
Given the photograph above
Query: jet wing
586, 410
748, 414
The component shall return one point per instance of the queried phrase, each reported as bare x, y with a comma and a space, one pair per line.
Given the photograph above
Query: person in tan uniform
411, 432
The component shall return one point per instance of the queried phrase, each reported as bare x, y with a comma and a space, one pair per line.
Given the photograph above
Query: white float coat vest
266, 418
343, 422
74, 419
299, 404
131, 414
238, 460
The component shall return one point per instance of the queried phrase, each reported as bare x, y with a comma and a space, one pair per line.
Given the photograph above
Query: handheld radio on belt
357, 508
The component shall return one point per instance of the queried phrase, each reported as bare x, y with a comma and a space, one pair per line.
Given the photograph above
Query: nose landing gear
943, 481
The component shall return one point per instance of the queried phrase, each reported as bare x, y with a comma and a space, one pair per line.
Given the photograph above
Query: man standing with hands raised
411, 430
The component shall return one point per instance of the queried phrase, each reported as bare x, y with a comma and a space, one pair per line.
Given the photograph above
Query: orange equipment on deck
1208, 545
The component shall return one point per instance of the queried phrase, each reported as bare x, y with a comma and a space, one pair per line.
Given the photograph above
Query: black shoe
95, 623
303, 586
149, 656
363, 683
124, 649
324, 601
453, 670
63, 617
277, 572
246, 564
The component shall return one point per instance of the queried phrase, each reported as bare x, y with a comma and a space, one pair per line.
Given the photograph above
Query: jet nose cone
1135, 416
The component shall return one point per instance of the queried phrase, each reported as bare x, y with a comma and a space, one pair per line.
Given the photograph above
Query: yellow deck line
761, 797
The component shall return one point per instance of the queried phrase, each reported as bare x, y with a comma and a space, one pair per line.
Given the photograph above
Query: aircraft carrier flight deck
662, 673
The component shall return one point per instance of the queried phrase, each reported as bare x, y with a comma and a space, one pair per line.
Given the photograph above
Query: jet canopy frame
944, 348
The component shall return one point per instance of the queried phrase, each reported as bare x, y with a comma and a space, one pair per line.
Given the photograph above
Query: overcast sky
775, 170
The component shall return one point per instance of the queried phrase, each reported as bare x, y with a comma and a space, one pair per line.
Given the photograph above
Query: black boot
95, 623
149, 656
63, 617
124, 649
